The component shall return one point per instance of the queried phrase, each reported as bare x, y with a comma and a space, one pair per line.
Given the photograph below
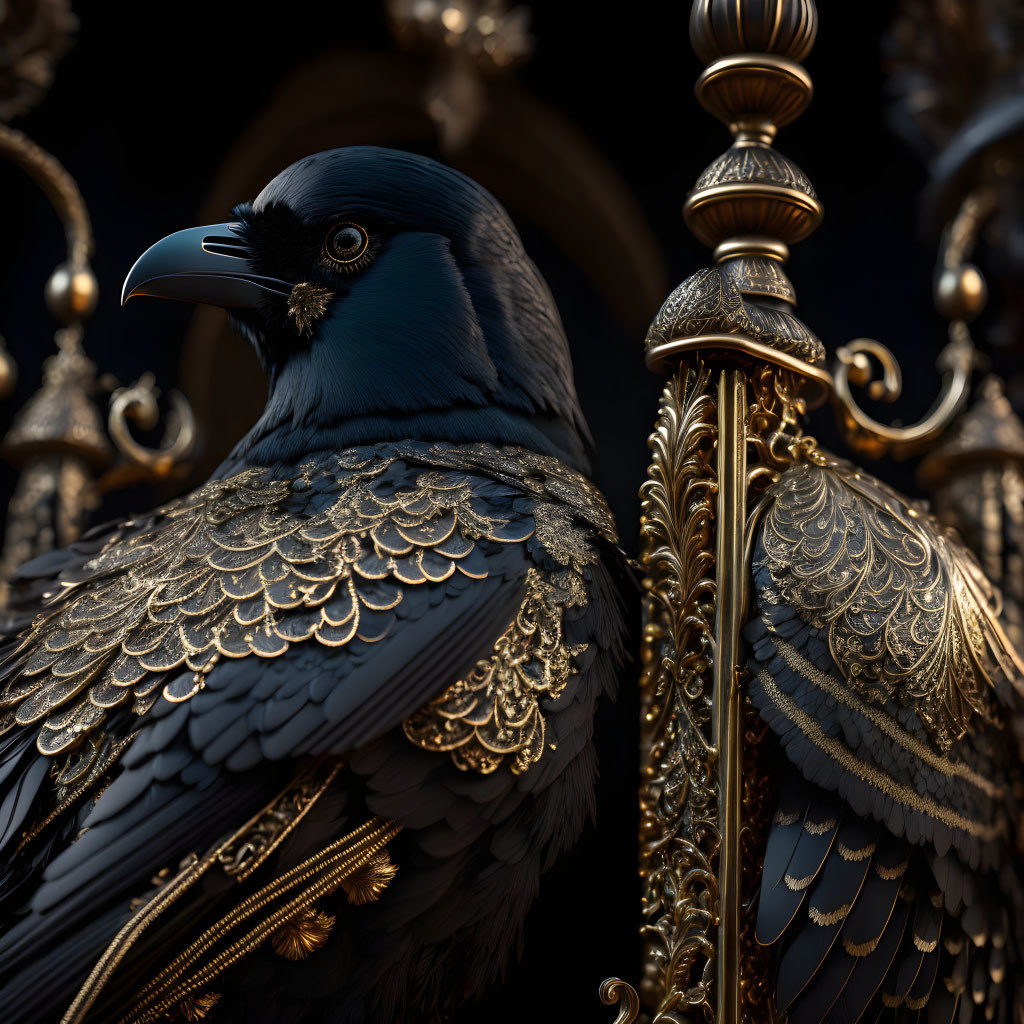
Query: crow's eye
346, 243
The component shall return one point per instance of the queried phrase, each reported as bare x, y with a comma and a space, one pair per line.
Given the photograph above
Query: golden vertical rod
731, 516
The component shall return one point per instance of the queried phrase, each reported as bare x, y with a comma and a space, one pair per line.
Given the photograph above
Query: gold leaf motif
908, 613
678, 796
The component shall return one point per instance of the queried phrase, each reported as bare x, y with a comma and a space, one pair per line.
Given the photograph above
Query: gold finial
722, 27
752, 203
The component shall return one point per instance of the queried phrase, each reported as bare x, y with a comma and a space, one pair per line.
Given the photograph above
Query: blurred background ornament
58, 440
35, 34
468, 40
957, 81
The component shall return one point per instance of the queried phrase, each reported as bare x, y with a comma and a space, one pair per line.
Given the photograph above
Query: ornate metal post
741, 368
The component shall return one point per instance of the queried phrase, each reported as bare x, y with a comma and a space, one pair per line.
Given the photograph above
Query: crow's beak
207, 264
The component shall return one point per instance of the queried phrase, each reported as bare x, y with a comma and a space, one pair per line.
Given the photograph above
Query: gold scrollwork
616, 991
960, 295
138, 403
872, 438
679, 832
495, 711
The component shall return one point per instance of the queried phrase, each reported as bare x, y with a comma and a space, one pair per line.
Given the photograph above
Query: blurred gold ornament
71, 293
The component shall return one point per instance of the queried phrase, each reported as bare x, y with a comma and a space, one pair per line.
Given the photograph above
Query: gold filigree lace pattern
252, 564
495, 712
908, 613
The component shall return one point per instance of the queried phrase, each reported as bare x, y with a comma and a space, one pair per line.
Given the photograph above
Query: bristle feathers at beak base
306, 304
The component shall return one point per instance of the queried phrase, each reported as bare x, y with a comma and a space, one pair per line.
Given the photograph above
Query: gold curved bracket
60, 188
870, 437
616, 991
138, 403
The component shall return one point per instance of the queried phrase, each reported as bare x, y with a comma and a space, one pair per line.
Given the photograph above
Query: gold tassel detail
366, 884
302, 936
194, 1008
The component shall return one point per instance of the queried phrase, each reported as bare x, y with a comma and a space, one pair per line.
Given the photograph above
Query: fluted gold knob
783, 27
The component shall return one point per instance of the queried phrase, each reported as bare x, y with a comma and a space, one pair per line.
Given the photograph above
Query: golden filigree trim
799, 884
785, 819
891, 874
256, 919
238, 568
849, 854
191, 870
679, 837
861, 948
925, 947
251, 565
815, 828
881, 781
99, 764
495, 712
883, 722
257, 839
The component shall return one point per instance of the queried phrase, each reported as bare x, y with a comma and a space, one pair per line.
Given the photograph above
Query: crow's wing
263, 619
880, 664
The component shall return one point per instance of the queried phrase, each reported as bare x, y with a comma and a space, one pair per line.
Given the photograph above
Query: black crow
298, 745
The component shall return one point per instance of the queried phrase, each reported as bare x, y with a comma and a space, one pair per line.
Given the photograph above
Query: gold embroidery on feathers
231, 571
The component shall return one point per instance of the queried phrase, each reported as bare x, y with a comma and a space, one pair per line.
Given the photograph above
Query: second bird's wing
880, 664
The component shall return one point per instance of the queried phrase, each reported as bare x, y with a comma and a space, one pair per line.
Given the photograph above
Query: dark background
150, 100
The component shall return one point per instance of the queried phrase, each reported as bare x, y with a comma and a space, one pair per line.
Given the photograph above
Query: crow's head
389, 297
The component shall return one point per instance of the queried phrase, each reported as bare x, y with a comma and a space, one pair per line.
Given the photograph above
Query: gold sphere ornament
71, 293
961, 292
719, 28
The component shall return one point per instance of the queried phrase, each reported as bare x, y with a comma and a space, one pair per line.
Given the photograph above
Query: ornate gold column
741, 367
